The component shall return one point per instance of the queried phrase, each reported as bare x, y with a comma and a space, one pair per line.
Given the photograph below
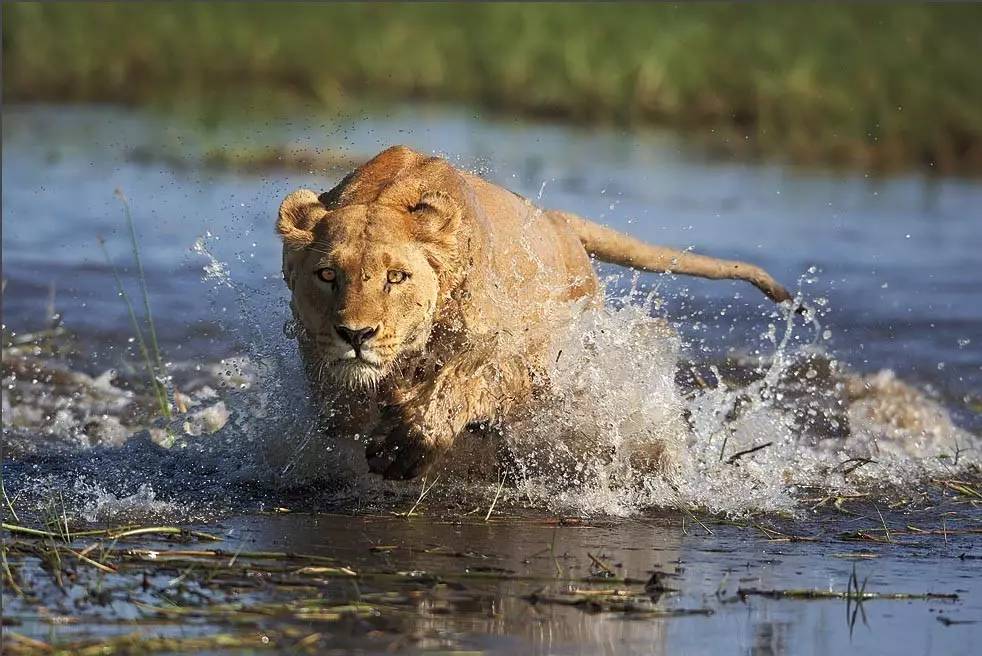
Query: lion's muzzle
356, 337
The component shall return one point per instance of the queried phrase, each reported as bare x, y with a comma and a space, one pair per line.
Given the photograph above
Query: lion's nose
356, 336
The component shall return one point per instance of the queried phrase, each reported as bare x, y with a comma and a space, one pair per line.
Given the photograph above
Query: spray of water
615, 433
617, 429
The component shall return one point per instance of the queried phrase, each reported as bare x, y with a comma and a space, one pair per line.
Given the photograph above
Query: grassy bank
871, 85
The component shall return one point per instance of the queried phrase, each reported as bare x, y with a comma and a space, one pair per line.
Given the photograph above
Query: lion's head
370, 262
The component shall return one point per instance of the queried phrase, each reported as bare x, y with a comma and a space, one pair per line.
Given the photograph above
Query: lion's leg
474, 387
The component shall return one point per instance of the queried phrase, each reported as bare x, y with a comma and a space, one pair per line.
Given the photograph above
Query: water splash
728, 447
634, 418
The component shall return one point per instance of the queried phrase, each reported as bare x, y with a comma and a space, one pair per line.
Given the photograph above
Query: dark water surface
540, 585
706, 572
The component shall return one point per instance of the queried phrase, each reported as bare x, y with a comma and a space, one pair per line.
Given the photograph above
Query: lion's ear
298, 214
436, 218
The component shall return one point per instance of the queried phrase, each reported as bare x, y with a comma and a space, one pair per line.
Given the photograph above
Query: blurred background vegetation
881, 86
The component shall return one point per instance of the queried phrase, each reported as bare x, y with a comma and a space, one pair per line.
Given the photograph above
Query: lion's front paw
403, 452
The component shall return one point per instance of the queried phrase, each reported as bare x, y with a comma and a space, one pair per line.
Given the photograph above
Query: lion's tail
617, 248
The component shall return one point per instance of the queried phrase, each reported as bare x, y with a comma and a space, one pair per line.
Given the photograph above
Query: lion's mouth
360, 357
357, 370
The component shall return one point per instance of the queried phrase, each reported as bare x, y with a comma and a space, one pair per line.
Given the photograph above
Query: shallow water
876, 393
524, 583
707, 571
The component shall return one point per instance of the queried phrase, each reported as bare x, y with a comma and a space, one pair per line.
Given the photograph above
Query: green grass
873, 85
149, 348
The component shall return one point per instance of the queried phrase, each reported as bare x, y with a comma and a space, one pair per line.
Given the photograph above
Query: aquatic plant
162, 579
149, 349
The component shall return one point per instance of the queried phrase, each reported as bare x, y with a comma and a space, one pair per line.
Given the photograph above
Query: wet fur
465, 340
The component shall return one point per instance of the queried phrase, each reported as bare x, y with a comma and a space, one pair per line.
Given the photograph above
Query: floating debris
838, 594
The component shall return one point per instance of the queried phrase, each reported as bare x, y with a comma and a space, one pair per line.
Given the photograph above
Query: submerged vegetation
868, 85
80, 588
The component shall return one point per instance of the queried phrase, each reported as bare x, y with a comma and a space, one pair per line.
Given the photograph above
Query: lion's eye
395, 277
327, 274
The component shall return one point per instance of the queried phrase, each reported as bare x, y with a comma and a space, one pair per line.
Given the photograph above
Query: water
897, 258
873, 396
440, 584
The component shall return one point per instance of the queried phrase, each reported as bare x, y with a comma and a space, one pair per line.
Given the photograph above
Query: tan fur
460, 342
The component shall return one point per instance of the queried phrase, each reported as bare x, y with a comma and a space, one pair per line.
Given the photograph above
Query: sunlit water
867, 400
883, 371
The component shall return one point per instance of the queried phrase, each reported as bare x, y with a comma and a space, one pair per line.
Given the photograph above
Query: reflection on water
706, 570
511, 549
447, 582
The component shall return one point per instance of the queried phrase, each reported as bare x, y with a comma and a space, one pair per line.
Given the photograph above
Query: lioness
425, 299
